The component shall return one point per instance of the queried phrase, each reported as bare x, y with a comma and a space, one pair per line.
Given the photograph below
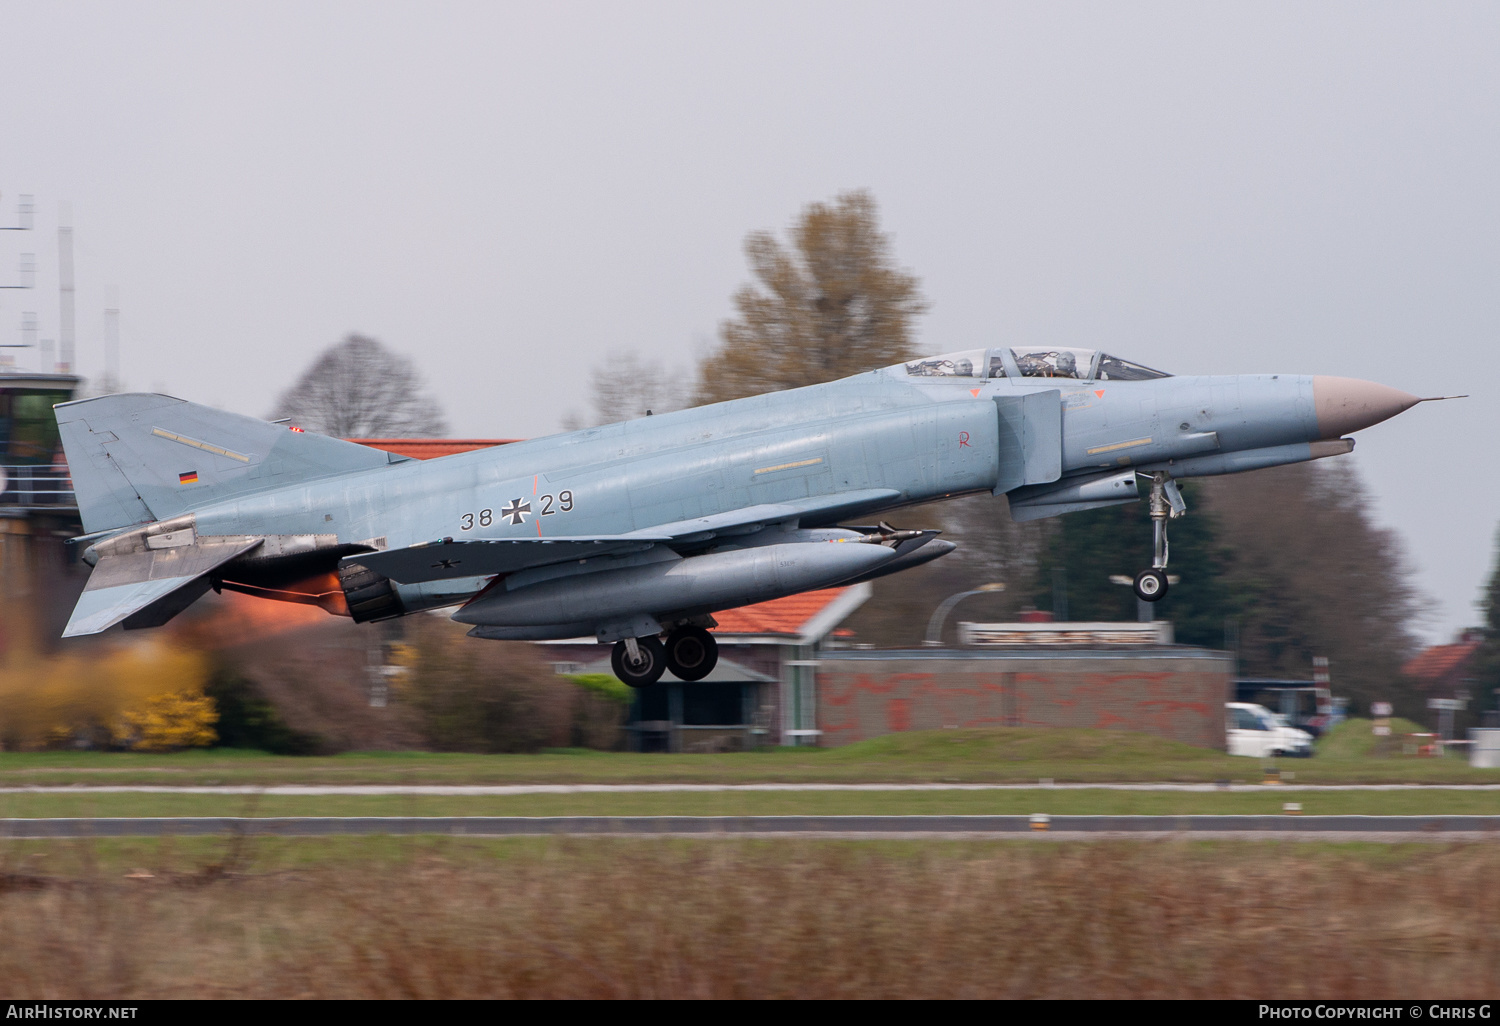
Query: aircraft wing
148, 587
450, 558
817, 511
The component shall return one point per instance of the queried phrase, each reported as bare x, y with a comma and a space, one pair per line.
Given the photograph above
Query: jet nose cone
1348, 404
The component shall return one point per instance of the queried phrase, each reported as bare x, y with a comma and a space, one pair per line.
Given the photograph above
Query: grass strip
1015, 755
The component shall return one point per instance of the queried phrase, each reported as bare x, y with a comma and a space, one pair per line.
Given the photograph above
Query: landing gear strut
638, 661
1166, 503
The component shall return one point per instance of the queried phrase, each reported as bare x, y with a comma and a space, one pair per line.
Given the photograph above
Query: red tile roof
778, 616
1434, 663
431, 448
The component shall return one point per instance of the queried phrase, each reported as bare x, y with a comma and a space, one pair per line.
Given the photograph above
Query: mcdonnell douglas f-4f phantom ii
638, 532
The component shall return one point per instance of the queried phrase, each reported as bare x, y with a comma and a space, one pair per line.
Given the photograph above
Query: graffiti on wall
859, 700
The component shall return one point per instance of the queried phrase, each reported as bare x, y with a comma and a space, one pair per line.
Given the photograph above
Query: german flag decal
191, 477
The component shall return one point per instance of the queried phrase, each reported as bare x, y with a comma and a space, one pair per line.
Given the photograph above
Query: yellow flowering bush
168, 722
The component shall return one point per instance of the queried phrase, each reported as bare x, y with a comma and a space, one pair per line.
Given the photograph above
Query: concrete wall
1176, 693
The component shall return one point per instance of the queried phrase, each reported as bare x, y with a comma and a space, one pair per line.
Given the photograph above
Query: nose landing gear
1166, 503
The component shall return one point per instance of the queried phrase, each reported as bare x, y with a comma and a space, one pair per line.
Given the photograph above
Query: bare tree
834, 306
360, 389
626, 385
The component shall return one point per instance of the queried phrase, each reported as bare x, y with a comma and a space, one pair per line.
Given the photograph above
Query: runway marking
313, 790
1245, 827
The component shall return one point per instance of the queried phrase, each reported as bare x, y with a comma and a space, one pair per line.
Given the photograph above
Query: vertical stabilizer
137, 457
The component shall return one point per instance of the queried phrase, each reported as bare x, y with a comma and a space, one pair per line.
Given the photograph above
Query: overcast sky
507, 192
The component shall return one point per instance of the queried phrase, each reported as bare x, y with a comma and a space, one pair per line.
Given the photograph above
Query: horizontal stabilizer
147, 586
99, 609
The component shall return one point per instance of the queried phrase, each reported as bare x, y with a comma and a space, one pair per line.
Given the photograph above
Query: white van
1256, 731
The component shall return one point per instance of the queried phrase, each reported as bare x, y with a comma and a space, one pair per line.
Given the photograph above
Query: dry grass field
435, 917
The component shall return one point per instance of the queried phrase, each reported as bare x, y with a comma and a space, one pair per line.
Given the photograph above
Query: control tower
37, 509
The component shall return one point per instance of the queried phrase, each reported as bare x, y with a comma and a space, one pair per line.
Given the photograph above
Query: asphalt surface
1243, 827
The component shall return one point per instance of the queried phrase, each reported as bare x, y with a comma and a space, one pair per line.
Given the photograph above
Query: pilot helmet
963, 368
1066, 364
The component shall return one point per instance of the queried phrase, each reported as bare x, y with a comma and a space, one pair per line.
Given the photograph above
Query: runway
1248, 827
481, 790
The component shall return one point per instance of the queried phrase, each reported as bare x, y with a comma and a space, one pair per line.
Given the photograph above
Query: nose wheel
638, 661
1166, 504
1150, 585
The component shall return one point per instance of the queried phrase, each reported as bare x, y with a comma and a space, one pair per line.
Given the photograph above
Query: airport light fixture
934, 637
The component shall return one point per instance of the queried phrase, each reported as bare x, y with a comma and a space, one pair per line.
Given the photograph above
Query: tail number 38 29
518, 509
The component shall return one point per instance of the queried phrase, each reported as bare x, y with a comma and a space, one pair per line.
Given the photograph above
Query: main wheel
638, 674
692, 653
1151, 585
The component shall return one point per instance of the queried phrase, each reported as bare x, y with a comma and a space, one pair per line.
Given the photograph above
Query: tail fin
135, 458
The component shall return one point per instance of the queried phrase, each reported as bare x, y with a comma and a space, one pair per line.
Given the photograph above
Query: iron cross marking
516, 512
446, 564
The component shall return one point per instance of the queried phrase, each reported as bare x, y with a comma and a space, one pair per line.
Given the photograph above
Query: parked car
1256, 731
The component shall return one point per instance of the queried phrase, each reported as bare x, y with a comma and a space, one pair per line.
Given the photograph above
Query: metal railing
36, 487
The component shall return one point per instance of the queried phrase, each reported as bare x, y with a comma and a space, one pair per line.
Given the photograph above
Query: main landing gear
1166, 503
689, 652
692, 653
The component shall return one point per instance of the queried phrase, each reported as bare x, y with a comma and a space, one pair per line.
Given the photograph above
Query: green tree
1486, 668
248, 720
832, 305
1313, 574
1290, 557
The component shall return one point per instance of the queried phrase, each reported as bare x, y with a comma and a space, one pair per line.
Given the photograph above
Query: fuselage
887, 438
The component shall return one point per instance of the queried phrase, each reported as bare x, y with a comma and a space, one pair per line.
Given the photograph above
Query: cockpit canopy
1032, 362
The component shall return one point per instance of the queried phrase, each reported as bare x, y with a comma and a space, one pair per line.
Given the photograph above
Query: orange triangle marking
974, 392
1099, 392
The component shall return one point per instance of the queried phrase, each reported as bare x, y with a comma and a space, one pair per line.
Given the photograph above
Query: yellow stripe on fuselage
1119, 445
789, 466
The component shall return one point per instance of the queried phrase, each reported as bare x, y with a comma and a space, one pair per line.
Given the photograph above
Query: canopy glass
1079, 364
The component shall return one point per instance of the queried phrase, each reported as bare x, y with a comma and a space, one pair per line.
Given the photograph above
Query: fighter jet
638, 532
